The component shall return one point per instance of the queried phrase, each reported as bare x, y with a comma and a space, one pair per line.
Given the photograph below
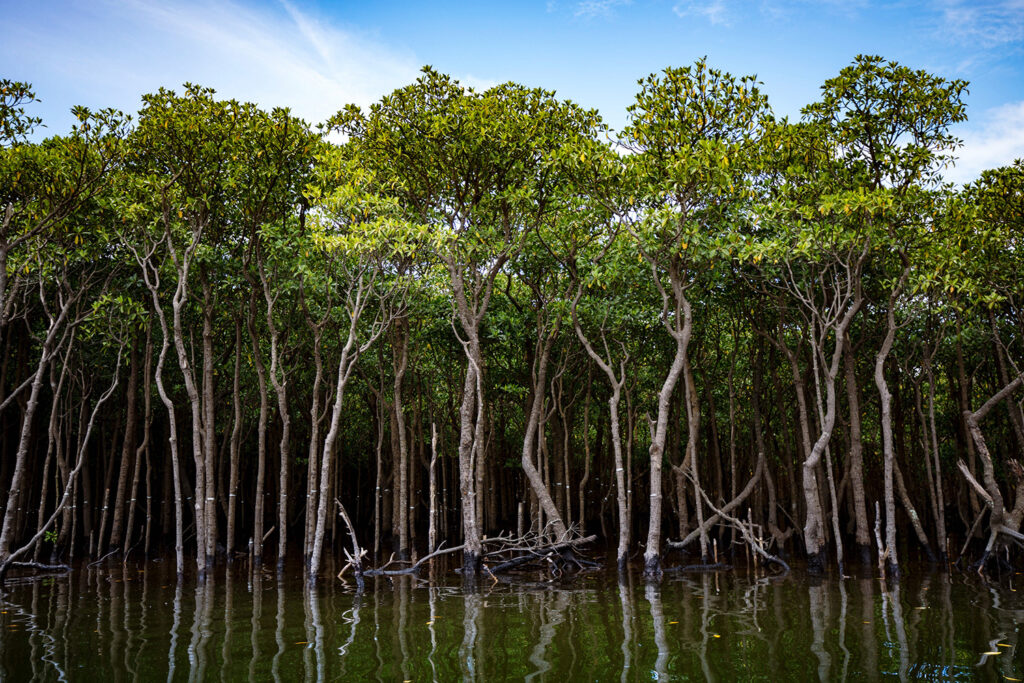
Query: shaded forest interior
481, 320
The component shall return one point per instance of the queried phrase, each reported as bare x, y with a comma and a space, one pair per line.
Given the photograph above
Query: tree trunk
860, 511
532, 434
400, 349
234, 447
127, 448
681, 334
261, 438
209, 488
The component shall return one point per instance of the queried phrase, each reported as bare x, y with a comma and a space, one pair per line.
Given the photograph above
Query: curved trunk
652, 554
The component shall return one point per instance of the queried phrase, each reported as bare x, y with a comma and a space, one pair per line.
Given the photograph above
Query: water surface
138, 622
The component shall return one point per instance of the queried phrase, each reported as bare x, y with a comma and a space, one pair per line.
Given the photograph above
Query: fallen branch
41, 567
93, 564
698, 568
978, 488
745, 532
355, 558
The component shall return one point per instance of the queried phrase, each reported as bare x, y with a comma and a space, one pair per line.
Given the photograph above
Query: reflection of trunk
653, 595
869, 629
819, 623
468, 655
626, 603
860, 510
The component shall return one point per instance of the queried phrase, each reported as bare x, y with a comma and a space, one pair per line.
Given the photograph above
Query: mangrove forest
479, 324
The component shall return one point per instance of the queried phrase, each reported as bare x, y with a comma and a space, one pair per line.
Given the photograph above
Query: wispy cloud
271, 54
988, 23
597, 8
715, 12
996, 140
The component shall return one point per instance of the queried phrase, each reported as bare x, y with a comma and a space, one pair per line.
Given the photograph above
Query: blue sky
317, 56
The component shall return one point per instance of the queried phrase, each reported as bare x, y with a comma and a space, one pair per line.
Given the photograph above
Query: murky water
139, 623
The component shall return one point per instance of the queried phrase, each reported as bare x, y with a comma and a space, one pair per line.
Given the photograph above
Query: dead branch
745, 532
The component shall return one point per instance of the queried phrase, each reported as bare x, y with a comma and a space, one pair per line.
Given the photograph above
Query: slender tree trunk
209, 488
315, 419
532, 434
234, 447
1012, 407
860, 511
432, 519
49, 346
178, 300
692, 432
401, 363
680, 330
616, 383
814, 537
147, 390
885, 410
940, 501
261, 438
357, 300
127, 448
965, 407
581, 492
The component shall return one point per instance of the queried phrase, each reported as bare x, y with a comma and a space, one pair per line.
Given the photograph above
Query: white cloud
596, 8
995, 142
715, 11
987, 23
110, 52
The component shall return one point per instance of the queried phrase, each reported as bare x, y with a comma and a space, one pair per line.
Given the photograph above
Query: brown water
139, 623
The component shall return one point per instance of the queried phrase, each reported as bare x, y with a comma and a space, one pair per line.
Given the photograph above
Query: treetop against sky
316, 57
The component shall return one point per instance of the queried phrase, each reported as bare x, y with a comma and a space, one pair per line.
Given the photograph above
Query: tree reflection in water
126, 624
